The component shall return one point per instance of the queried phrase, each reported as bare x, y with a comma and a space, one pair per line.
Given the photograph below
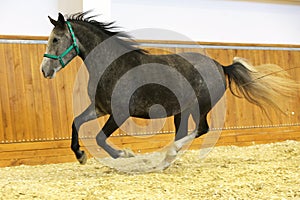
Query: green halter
73, 46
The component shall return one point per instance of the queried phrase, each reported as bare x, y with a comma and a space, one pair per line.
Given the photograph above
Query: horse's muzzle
49, 74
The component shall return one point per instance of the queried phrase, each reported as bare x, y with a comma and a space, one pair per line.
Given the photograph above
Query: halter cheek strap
67, 51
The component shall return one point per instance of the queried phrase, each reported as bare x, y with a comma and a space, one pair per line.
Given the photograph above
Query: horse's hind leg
181, 125
181, 132
87, 115
109, 127
202, 125
181, 138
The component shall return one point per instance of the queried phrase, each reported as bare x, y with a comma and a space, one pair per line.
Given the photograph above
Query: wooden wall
37, 113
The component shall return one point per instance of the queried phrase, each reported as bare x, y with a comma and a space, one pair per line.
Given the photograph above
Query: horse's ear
61, 19
54, 22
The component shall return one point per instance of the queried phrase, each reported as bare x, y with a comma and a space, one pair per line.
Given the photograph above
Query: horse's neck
87, 40
99, 50
97, 47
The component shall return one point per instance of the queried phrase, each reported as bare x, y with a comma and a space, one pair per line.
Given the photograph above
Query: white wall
25, 17
101, 7
213, 20
200, 20
29, 17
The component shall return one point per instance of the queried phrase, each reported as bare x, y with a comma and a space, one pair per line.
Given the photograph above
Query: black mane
107, 28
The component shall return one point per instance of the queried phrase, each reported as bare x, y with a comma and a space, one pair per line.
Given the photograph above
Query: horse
111, 56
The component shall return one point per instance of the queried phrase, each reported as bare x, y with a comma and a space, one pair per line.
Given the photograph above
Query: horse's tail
262, 85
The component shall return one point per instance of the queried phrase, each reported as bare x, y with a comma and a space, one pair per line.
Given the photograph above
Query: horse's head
61, 47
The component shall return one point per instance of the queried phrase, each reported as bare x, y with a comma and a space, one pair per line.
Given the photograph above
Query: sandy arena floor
269, 171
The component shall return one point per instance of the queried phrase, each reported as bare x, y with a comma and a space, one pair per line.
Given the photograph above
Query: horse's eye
55, 40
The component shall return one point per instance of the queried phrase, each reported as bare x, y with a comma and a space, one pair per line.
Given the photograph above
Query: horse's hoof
162, 166
127, 153
172, 151
82, 160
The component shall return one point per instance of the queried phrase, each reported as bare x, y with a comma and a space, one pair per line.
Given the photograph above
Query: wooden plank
45, 152
38, 160
47, 108
6, 128
55, 112
36, 57
35, 153
268, 136
12, 92
28, 101
27, 37
227, 137
25, 146
217, 43
293, 2
23, 37
20, 124
61, 103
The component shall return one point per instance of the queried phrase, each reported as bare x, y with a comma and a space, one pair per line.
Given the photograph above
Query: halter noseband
67, 51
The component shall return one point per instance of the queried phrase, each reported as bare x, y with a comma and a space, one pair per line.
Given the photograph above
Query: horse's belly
156, 101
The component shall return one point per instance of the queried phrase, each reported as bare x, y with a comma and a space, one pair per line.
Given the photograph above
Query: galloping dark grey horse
183, 84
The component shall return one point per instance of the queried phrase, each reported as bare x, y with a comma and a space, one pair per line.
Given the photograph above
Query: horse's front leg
87, 115
108, 129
